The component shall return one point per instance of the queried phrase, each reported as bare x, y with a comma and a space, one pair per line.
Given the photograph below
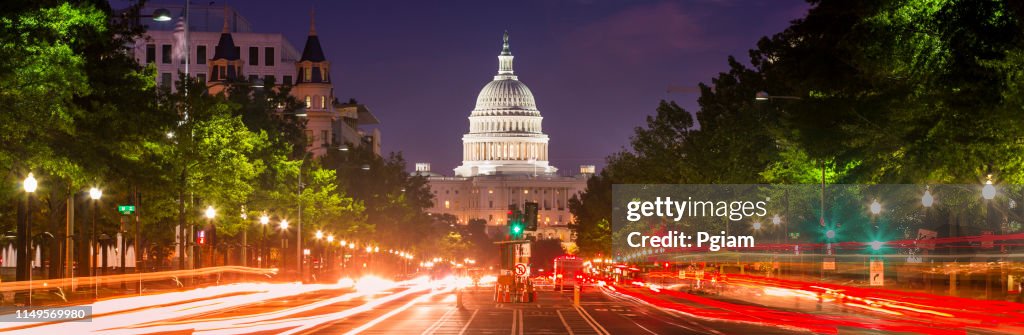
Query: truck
568, 272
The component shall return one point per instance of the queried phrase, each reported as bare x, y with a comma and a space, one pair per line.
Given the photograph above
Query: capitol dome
505, 134
505, 95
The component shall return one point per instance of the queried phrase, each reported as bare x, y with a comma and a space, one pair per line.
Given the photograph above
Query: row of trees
78, 111
887, 91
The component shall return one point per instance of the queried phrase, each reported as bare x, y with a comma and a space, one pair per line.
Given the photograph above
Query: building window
165, 53
268, 56
254, 56
323, 101
490, 203
309, 102
447, 205
253, 78
165, 80
150, 53
287, 80
270, 79
200, 54
309, 138
324, 138
308, 75
201, 78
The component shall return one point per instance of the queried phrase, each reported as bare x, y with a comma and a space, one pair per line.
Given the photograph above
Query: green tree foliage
888, 91
395, 201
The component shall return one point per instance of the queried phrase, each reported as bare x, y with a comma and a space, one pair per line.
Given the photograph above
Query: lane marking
590, 320
437, 324
520, 321
566, 324
471, 317
514, 317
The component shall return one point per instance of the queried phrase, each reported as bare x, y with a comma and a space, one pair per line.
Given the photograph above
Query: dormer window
309, 102
308, 76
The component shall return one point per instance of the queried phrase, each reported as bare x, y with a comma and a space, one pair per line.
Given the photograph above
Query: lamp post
283, 225
330, 253
24, 236
264, 220
95, 194
319, 256
245, 237
210, 213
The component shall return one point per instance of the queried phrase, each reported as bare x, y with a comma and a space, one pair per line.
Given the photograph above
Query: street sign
126, 209
877, 275
522, 269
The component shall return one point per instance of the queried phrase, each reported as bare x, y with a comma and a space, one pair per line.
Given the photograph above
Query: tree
395, 201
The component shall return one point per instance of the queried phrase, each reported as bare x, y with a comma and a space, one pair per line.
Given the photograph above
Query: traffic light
530, 219
515, 222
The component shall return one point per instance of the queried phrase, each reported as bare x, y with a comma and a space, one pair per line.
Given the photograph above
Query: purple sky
596, 68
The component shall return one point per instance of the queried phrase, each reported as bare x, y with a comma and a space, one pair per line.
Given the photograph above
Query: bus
568, 272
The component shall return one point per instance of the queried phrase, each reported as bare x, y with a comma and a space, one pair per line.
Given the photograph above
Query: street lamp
24, 237
876, 207
757, 225
95, 194
927, 200
210, 213
264, 220
988, 191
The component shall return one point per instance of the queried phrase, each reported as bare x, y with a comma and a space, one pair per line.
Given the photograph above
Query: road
378, 306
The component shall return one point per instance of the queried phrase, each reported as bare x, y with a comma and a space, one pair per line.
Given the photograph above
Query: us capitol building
505, 162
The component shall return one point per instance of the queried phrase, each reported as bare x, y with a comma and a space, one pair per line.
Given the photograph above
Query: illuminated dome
505, 135
504, 97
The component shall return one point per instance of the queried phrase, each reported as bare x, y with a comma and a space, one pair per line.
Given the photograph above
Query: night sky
596, 68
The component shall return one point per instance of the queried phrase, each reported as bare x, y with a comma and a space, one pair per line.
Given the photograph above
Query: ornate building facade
240, 56
505, 161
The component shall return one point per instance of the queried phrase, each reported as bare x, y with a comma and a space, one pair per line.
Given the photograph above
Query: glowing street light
210, 212
876, 245
988, 192
927, 200
264, 220
369, 249
319, 234
757, 225
283, 224
776, 220
30, 184
876, 207
95, 193
330, 238
830, 234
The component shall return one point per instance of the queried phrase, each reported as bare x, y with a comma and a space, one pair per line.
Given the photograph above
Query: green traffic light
517, 229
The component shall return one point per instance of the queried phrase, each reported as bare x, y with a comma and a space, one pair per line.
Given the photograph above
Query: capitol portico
505, 161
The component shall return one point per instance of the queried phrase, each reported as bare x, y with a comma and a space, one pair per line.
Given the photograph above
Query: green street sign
126, 209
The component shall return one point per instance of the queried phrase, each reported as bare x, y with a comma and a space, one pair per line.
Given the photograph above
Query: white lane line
437, 324
520, 321
566, 324
471, 317
388, 315
590, 320
514, 317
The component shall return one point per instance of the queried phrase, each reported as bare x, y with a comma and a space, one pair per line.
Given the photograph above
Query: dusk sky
597, 68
